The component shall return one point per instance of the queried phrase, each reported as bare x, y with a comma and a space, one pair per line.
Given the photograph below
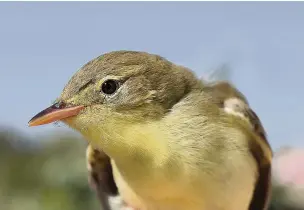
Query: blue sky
43, 43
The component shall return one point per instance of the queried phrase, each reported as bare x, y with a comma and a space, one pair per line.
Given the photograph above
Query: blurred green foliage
50, 174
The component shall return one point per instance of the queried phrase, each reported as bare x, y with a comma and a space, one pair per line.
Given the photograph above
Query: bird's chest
154, 192
145, 189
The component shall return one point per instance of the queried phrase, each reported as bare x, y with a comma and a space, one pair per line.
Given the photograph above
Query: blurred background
258, 45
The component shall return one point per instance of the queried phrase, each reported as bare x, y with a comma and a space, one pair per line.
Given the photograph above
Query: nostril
59, 105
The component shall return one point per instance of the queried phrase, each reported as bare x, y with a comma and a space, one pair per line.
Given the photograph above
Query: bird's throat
139, 144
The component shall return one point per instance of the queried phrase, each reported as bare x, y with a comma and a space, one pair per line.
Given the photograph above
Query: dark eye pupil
109, 86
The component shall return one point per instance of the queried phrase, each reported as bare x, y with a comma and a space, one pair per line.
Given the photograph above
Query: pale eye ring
109, 86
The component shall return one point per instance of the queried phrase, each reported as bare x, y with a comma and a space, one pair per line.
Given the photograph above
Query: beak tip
30, 123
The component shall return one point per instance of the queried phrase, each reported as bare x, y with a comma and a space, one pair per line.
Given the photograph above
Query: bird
164, 139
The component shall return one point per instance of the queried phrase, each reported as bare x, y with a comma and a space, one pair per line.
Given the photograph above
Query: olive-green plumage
174, 142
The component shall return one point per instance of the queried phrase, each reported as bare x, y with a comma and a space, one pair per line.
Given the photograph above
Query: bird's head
122, 87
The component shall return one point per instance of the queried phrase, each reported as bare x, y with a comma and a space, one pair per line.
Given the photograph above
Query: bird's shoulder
229, 99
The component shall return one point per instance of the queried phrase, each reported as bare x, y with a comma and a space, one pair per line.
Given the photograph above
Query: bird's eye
109, 86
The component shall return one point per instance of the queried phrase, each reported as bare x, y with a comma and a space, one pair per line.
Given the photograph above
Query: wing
101, 176
258, 148
234, 102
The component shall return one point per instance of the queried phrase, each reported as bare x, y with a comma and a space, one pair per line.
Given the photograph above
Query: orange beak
54, 113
